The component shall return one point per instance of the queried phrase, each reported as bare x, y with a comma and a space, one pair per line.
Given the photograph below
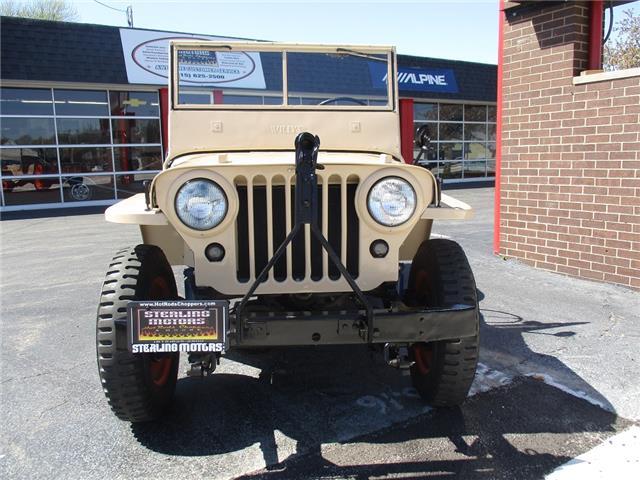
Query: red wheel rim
420, 282
159, 289
160, 366
423, 356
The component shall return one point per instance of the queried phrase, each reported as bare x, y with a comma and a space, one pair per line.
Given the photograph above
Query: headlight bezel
208, 181
387, 178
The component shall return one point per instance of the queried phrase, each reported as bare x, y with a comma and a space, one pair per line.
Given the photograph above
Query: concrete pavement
336, 411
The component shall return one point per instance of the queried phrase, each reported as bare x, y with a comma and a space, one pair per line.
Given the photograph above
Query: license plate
178, 326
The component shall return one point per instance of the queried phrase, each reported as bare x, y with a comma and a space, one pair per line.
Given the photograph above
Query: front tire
138, 387
440, 276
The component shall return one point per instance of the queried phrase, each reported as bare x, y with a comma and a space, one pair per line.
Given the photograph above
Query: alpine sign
416, 79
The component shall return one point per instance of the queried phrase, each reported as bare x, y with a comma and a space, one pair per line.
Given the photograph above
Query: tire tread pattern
455, 360
124, 376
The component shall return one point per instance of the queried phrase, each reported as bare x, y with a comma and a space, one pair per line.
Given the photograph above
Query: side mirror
422, 137
422, 140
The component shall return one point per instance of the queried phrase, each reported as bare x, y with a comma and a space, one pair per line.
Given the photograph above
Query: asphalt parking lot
559, 375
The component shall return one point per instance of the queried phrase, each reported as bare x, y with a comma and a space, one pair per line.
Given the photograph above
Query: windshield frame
357, 50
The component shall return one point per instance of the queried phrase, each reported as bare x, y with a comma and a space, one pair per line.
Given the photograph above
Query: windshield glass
225, 76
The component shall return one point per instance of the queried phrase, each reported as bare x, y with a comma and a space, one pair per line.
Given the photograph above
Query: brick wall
570, 181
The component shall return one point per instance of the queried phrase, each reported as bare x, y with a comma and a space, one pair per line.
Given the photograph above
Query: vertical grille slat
261, 227
297, 245
269, 219
252, 244
266, 216
289, 219
343, 221
279, 220
317, 251
324, 215
335, 212
353, 231
242, 235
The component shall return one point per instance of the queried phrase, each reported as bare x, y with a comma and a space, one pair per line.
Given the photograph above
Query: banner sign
146, 55
441, 80
207, 67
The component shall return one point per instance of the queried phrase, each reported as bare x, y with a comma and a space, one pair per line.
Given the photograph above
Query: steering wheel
338, 99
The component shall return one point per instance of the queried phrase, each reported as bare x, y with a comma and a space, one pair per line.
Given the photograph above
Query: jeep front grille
266, 215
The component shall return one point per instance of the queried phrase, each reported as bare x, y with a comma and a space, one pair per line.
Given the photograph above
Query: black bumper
340, 328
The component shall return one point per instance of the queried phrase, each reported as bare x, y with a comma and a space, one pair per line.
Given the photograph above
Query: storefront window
81, 103
475, 150
79, 131
32, 190
451, 170
137, 158
132, 184
491, 168
244, 99
475, 113
135, 131
27, 131
25, 101
491, 113
491, 150
138, 104
425, 111
434, 168
460, 139
450, 131
474, 169
474, 132
88, 188
491, 132
203, 98
450, 112
93, 135
28, 161
85, 160
451, 151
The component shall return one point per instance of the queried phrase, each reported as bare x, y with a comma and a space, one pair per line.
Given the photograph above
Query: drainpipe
496, 202
164, 119
596, 17
406, 129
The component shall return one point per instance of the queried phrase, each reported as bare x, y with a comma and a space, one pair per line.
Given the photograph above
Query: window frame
174, 89
438, 162
57, 146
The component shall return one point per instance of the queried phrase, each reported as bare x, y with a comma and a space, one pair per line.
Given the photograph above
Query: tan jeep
297, 222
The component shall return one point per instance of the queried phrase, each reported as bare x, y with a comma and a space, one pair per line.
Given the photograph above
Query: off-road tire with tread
132, 392
440, 277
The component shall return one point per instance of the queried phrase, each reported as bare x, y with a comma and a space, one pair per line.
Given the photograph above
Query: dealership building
82, 109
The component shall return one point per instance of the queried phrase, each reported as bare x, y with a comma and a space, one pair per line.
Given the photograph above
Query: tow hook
202, 365
397, 356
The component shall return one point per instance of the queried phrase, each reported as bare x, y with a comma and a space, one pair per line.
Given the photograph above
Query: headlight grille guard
306, 213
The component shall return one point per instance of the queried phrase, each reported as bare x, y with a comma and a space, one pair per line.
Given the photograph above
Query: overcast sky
446, 29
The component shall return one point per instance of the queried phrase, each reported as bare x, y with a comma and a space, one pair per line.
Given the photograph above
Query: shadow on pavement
503, 334
509, 432
313, 396
50, 213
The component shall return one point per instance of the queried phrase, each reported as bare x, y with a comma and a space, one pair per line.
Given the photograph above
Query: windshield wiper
355, 53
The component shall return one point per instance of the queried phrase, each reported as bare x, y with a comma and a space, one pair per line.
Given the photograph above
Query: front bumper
342, 328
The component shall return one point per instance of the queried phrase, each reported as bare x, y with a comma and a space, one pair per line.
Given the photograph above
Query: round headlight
391, 201
201, 204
